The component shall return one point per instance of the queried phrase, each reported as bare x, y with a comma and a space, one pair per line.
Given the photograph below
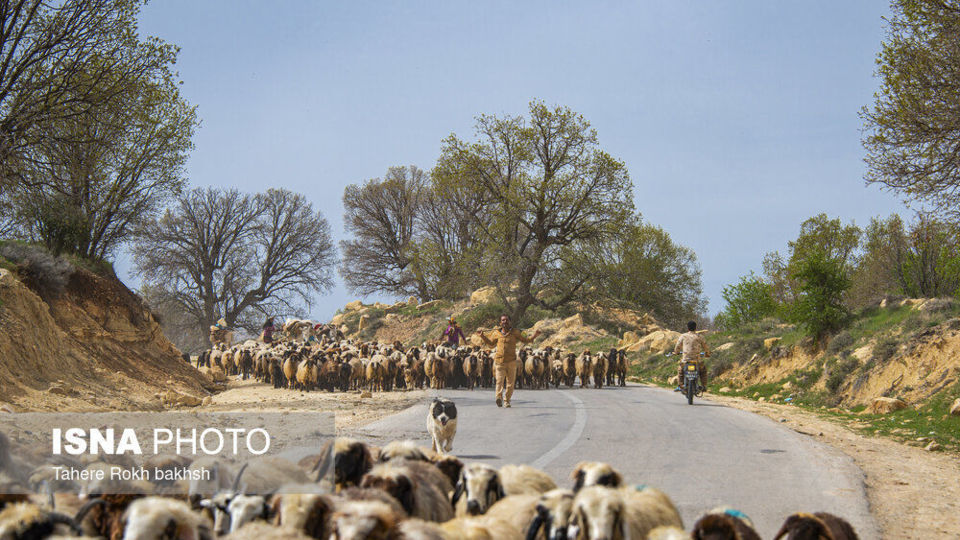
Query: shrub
885, 349
43, 272
749, 300
840, 342
839, 372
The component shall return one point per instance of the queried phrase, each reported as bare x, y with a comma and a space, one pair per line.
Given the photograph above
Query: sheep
533, 366
816, 526
307, 374
25, 520
220, 477
449, 465
481, 528
594, 473
156, 518
103, 515
418, 529
398, 450
258, 530
411, 484
290, 365
471, 370
724, 523
263, 474
621, 369
230, 360
518, 510
435, 368
599, 370
369, 494
351, 460
246, 364
414, 375
584, 367
569, 369
666, 532
359, 520
376, 373
525, 480
308, 513
482, 487
553, 513
604, 512
556, 372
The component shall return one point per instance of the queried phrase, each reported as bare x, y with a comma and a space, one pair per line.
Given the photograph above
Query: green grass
598, 345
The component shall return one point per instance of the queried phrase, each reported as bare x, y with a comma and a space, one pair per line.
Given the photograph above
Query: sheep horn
57, 517
236, 481
535, 526
85, 509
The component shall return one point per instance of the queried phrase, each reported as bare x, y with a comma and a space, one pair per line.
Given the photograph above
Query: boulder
885, 405
380, 305
661, 341
207, 401
725, 390
217, 374
573, 321
391, 318
366, 394
787, 385
725, 347
932, 447
484, 295
353, 306
628, 338
364, 320
770, 343
936, 304
57, 389
412, 301
428, 305
172, 398
955, 408
337, 319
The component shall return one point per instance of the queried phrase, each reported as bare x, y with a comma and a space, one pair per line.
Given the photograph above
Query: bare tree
381, 216
219, 253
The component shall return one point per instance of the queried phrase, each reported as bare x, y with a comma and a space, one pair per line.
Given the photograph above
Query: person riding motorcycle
691, 345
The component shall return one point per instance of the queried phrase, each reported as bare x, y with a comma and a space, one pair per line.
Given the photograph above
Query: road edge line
579, 422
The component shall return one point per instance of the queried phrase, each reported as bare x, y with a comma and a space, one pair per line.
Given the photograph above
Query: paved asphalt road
703, 456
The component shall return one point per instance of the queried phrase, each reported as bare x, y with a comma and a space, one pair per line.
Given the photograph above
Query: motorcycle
691, 381
690, 384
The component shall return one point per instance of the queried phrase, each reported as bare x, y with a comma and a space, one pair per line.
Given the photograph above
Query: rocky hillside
92, 345
591, 327
895, 368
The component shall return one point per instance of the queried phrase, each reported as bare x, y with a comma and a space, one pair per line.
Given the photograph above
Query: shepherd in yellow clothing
505, 340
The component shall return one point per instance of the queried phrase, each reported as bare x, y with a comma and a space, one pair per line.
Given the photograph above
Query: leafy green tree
819, 235
921, 259
645, 269
748, 300
547, 188
822, 281
911, 131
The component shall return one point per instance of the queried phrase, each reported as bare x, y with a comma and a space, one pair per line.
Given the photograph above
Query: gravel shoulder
913, 494
352, 411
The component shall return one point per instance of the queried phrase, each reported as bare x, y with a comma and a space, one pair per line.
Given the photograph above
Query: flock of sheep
344, 364
398, 492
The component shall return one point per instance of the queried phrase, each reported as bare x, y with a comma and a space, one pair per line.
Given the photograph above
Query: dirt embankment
93, 346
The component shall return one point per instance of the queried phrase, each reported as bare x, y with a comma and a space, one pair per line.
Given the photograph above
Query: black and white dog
442, 424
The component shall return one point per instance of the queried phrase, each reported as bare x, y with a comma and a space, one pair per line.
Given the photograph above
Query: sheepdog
442, 424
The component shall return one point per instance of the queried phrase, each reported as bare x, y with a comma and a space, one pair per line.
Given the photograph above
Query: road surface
703, 456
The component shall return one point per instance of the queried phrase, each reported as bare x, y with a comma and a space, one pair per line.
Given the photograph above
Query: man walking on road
505, 340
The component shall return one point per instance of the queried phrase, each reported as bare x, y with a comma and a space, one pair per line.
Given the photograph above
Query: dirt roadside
913, 493
352, 410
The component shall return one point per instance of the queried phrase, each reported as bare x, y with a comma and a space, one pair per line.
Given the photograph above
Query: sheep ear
535, 526
405, 489
458, 491
578, 475
500, 493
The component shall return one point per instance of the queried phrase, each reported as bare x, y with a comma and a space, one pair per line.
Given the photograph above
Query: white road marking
572, 435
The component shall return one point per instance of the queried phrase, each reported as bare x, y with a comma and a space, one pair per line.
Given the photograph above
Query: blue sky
737, 120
